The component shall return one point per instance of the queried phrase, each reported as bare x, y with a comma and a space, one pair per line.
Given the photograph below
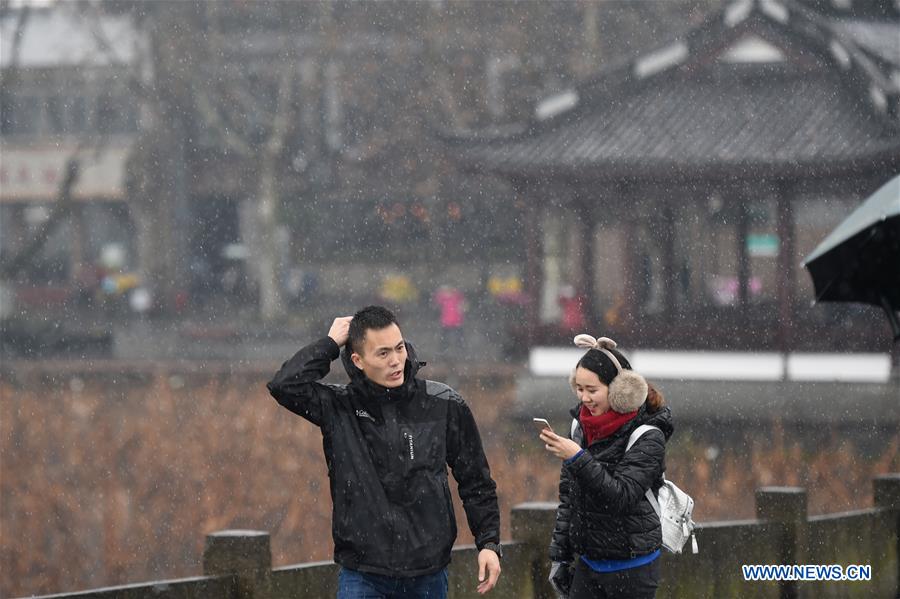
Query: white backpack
674, 507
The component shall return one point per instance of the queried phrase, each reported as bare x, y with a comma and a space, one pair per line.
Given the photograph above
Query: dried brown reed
116, 479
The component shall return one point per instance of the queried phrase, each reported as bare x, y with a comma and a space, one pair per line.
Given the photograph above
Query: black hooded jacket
603, 512
387, 452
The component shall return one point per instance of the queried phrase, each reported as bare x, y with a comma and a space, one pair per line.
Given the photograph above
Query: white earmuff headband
628, 391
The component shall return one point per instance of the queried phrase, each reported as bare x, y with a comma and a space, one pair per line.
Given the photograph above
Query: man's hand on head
340, 330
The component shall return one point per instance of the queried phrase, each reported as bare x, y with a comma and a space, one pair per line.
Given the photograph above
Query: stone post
243, 554
887, 491
787, 506
532, 524
887, 496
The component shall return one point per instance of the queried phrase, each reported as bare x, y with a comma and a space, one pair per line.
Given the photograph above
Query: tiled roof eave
652, 169
798, 121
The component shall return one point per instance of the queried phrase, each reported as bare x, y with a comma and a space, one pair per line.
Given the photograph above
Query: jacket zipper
390, 418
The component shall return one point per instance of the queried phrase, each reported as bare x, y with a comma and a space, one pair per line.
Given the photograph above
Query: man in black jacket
388, 438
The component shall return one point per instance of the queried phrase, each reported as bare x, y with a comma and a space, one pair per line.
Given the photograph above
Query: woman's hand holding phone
541, 424
559, 446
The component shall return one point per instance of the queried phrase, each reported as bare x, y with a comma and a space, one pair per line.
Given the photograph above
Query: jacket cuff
331, 346
571, 460
579, 461
560, 556
491, 539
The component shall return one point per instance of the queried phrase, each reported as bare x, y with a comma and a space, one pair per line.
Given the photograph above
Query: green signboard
762, 244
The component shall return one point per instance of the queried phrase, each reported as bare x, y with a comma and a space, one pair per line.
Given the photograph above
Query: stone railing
237, 564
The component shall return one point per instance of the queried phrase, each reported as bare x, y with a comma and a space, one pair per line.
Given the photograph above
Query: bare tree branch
61, 209
213, 118
99, 35
19, 34
208, 109
11, 73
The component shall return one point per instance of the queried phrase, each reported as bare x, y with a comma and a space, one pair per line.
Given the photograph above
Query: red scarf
602, 426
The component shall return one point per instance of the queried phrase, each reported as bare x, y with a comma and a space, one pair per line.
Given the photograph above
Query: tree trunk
271, 302
152, 197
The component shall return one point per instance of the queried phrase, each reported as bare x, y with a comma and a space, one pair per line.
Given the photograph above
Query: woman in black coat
607, 537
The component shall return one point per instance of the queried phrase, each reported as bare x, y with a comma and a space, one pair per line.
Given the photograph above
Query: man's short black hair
370, 317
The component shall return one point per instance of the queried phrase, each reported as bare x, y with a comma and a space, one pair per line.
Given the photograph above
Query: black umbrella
860, 260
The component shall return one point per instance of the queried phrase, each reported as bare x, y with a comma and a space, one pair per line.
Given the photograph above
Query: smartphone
541, 424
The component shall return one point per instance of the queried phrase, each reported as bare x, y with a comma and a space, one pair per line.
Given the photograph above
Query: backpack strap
635, 435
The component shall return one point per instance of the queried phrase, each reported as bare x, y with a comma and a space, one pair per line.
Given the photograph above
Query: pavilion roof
764, 85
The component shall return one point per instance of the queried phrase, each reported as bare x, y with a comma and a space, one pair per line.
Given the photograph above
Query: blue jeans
362, 585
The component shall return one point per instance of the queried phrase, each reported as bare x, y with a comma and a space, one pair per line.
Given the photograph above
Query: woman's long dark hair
655, 399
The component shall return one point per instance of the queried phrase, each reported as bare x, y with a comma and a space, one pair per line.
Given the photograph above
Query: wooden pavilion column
787, 277
669, 274
741, 232
630, 261
587, 280
534, 258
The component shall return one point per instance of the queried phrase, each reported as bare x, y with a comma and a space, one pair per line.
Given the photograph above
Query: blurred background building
193, 189
249, 165
679, 191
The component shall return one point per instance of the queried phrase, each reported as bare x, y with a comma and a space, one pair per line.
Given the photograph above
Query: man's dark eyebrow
383, 347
